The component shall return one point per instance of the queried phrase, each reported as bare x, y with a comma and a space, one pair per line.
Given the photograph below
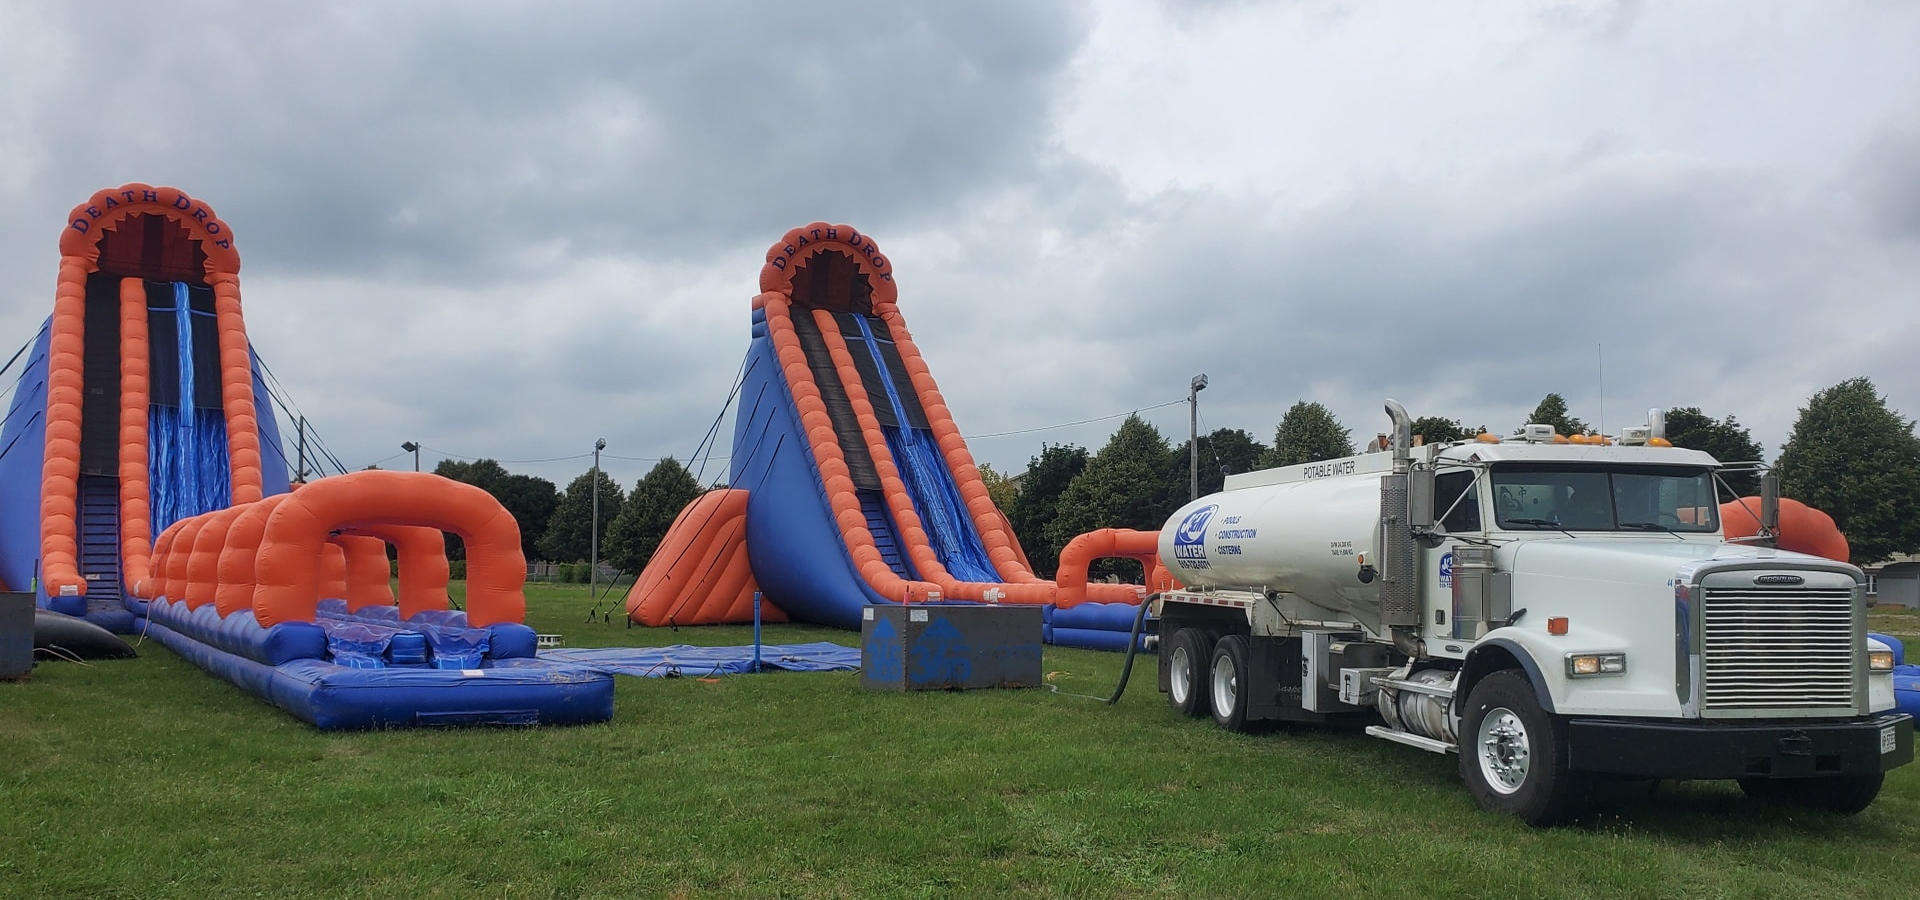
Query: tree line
1849, 455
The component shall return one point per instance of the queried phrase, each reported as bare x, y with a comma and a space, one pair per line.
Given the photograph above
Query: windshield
1560, 497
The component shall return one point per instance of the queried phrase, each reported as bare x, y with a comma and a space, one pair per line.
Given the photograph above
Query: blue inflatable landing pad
688, 660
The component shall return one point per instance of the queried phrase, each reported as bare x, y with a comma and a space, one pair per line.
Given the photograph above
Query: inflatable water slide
850, 484
143, 488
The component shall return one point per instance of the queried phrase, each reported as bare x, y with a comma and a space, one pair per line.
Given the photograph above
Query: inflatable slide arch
140, 403
850, 484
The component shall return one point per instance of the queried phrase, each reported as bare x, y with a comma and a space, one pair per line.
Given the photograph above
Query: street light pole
593, 541
413, 447
1194, 387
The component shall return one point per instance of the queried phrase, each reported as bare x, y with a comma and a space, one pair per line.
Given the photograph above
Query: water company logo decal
1446, 570
1190, 539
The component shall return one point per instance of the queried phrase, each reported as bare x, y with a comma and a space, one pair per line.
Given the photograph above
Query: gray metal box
926, 647
16, 634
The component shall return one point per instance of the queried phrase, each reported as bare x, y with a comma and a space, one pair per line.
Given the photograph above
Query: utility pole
1194, 387
302, 467
593, 540
413, 447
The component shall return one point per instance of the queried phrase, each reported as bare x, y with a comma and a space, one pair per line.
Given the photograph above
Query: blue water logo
1193, 528
1190, 539
1446, 569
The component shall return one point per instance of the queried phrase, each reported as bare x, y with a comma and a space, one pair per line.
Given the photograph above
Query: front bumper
1672, 749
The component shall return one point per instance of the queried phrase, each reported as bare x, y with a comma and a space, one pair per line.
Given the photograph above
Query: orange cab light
1557, 625
1487, 437
1659, 442
1561, 439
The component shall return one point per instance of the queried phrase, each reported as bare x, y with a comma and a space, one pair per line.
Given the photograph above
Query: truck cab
1553, 609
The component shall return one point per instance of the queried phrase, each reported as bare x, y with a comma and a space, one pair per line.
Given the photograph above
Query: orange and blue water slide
142, 488
849, 482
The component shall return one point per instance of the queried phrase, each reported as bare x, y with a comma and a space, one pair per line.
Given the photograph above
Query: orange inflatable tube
287, 565
1120, 543
136, 517
1803, 529
59, 480
422, 555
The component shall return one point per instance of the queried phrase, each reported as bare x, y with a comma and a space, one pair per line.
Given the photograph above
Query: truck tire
1227, 683
1513, 754
1843, 794
1186, 663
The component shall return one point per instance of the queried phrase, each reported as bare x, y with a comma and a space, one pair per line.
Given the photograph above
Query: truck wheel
1513, 754
1186, 660
1227, 683
1843, 794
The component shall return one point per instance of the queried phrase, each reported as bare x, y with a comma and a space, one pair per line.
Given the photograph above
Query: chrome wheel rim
1180, 679
1505, 752
1226, 685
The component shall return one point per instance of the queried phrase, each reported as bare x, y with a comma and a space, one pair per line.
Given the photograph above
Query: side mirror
1420, 499
1770, 504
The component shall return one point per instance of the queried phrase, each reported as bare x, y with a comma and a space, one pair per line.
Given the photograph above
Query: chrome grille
1777, 648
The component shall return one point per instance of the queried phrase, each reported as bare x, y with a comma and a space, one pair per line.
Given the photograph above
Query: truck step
1412, 740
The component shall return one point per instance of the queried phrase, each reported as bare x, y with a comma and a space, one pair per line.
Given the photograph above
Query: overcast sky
505, 230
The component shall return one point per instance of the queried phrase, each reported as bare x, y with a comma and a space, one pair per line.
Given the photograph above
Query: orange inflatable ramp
699, 574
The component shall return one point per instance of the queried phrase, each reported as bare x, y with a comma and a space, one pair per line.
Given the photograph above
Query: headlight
1880, 660
1582, 665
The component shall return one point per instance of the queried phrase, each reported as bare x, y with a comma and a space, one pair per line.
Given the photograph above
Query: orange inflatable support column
422, 555
136, 516
368, 576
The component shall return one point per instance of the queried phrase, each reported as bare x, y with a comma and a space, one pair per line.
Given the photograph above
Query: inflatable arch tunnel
850, 483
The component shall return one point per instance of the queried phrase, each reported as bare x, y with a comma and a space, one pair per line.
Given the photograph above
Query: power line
462, 457
1080, 422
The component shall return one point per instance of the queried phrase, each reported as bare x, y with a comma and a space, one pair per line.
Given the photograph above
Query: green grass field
148, 777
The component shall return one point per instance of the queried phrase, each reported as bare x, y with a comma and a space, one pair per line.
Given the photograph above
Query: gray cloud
508, 229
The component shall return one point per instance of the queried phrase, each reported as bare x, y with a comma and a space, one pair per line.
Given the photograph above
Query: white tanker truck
1553, 612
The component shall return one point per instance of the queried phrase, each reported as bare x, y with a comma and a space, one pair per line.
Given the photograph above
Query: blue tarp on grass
688, 660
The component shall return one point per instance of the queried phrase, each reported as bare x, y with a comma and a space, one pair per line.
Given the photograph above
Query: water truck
1556, 610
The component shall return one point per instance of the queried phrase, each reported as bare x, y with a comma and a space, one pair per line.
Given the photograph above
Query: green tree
529, 498
1855, 459
657, 499
1726, 439
1440, 429
1308, 433
1046, 478
1553, 411
1125, 485
1227, 451
569, 531
999, 487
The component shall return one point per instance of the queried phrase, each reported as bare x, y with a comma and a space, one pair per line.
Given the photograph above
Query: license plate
1887, 739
